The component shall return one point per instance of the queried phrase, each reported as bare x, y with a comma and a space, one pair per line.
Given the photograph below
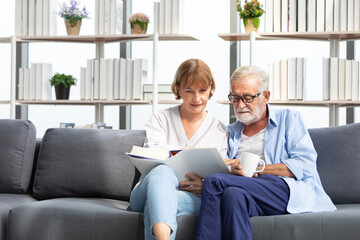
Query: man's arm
279, 169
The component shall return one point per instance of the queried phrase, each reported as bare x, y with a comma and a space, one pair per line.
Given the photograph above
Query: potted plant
139, 23
73, 16
250, 13
62, 84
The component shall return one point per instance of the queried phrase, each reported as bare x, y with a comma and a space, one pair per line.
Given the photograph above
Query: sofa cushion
17, 148
74, 219
341, 224
338, 161
8, 201
86, 163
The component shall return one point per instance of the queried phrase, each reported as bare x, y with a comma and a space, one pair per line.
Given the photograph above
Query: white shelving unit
99, 41
333, 37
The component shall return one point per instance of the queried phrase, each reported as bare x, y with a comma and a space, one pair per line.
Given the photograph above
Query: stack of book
108, 17
341, 79
169, 16
287, 79
164, 92
113, 79
312, 15
34, 82
35, 18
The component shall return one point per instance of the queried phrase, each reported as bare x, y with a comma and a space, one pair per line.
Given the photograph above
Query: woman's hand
193, 185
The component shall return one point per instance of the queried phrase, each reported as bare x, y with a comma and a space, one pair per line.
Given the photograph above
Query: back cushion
17, 148
86, 163
338, 161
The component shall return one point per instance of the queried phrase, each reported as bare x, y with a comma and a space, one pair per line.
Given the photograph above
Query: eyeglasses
246, 98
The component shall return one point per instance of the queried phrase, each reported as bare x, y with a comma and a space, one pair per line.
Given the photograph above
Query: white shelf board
323, 36
83, 102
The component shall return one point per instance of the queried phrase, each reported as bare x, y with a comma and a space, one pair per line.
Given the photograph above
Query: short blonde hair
245, 71
193, 71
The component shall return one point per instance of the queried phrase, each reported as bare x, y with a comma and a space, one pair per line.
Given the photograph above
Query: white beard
250, 117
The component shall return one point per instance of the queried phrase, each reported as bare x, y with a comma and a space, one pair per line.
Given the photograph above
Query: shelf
323, 36
5, 39
4, 102
107, 38
308, 103
84, 102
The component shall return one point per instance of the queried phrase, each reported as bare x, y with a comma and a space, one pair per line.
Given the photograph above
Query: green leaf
256, 22
245, 20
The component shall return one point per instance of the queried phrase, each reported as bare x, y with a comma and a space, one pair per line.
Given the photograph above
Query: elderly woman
159, 195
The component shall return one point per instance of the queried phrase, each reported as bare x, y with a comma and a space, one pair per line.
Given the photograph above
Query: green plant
140, 18
62, 79
251, 9
72, 12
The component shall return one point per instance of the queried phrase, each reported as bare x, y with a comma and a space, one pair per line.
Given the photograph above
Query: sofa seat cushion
8, 201
86, 163
17, 148
341, 224
74, 219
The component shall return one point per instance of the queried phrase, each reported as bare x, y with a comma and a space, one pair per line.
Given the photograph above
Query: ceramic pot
75, 30
250, 24
136, 28
62, 92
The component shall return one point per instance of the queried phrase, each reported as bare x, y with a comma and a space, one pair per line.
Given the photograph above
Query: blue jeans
158, 197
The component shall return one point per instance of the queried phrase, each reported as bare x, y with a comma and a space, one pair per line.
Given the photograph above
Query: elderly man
290, 182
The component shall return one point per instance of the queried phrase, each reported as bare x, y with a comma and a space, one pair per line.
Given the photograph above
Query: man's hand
236, 168
193, 185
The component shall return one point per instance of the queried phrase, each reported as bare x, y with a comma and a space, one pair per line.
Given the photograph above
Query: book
96, 75
329, 15
292, 15
103, 79
350, 15
82, 83
348, 82
24, 11
21, 84
283, 79
357, 15
326, 78
39, 18
129, 79
301, 11
116, 79
343, 15
162, 17
277, 15
355, 80
199, 161
269, 26
311, 15
168, 16
32, 17
334, 78
300, 79
18, 17
110, 79
139, 77
291, 79
32, 82
320, 15
336, 17
284, 15
89, 79
341, 82
122, 86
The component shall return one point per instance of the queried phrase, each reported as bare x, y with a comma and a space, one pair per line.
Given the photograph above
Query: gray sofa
74, 184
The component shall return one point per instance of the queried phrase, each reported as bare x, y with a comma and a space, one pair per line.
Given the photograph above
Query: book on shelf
82, 83
326, 78
162, 17
43, 75
123, 78
116, 79
334, 78
26, 86
329, 15
178, 16
199, 161
341, 79
356, 15
348, 80
292, 15
32, 17
139, 77
284, 15
311, 16
21, 84
18, 17
107, 9
269, 17
300, 79
96, 77
39, 18
32, 79
336, 15
89, 79
277, 16
168, 19
350, 15
129, 79
355, 80
301, 16
320, 15
291, 79
103, 79
25, 17
343, 15
100, 25
110, 79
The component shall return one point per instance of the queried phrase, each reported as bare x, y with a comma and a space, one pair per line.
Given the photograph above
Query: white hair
245, 71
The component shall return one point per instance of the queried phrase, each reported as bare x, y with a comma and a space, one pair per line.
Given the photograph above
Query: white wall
205, 19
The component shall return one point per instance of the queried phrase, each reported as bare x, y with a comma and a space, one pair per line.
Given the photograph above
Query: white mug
249, 163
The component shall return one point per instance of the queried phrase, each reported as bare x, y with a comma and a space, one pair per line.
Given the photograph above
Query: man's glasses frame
246, 98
